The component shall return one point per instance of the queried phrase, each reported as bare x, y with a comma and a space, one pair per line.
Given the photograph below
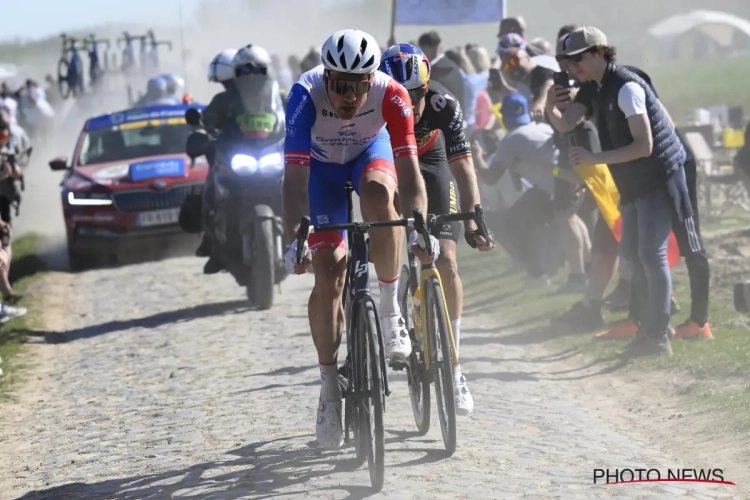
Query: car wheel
77, 262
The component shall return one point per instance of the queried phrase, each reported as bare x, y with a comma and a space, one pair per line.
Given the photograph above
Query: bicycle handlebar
419, 222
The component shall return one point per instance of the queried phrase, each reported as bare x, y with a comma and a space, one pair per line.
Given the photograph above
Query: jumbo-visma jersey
314, 130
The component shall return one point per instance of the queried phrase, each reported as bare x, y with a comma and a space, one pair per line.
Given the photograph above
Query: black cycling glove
469, 236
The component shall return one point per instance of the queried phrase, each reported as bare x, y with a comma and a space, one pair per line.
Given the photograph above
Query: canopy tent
720, 27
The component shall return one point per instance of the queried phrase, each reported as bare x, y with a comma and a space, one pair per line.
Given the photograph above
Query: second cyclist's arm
458, 150
215, 114
297, 158
400, 121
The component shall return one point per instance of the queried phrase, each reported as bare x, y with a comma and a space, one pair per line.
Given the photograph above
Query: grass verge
25, 267
708, 375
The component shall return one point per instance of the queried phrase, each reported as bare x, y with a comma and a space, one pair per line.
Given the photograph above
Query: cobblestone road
165, 386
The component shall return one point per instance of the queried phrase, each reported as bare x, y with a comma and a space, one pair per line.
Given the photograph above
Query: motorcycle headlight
273, 160
246, 164
89, 198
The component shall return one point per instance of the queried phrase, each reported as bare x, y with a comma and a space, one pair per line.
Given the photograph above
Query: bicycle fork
427, 271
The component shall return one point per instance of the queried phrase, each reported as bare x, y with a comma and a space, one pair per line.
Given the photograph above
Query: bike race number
158, 217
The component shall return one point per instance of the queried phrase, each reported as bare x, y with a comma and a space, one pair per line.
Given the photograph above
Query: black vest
640, 177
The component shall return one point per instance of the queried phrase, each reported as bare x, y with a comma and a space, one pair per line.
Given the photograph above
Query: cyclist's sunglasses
343, 85
417, 95
250, 69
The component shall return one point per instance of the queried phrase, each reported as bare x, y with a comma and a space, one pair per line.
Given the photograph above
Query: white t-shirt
11, 106
632, 99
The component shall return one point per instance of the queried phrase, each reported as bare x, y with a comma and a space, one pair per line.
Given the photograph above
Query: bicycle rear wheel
441, 361
371, 393
419, 390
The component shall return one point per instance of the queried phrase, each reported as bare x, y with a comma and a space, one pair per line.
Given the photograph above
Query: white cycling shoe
396, 338
328, 430
464, 401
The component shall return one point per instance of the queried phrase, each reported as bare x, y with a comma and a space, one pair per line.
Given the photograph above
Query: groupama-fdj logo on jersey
347, 131
298, 110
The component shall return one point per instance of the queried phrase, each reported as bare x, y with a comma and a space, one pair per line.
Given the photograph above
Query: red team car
124, 186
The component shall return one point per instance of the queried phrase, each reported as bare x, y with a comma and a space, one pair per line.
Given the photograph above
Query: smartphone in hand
561, 78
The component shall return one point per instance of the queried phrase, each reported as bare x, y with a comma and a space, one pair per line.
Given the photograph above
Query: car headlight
246, 164
89, 198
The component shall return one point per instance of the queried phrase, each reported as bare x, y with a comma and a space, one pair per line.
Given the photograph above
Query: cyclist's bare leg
325, 309
377, 192
452, 286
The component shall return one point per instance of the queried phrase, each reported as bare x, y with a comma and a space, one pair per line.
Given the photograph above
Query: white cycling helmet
252, 54
175, 83
221, 68
157, 86
351, 51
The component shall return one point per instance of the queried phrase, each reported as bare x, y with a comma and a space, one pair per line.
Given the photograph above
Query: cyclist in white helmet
335, 133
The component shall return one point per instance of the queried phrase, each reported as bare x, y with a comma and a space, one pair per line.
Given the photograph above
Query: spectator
311, 60
645, 157
519, 65
283, 73
443, 69
294, 67
15, 152
541, 45
474, 82
8, 103
527, 152
484, 118
517, 25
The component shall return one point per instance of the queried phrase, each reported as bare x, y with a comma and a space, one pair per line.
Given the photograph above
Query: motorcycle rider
236, 113
175, 84
220, 70
156, 95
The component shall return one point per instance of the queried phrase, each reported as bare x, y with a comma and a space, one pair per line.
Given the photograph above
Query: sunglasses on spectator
342, 86
417, 95
250, 69
576, 58
513, 61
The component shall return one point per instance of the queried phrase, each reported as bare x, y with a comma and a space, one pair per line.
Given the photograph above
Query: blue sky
31, 19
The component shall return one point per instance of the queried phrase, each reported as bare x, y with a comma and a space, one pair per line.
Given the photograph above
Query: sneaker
204, 249
623, 330
397, 341
581, 316
619, 299
690, 330
328, 429
573, 285
212, 266
646, 345
464, 401
11, 312
540, 282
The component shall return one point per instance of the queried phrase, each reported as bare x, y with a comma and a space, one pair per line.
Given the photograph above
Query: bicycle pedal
397, 365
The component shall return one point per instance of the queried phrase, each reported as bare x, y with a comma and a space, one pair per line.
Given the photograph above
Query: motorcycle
245, 225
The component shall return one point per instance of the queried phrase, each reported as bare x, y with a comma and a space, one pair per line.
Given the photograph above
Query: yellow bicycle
434, 353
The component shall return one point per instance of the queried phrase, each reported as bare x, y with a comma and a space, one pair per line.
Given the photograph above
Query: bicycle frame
425, 272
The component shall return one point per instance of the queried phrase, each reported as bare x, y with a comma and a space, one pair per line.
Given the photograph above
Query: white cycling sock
389, 297
329, 383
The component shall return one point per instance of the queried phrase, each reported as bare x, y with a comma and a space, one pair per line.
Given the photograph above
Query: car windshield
131, 141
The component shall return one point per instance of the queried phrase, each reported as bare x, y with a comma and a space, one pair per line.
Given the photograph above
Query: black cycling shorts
565, 195
442, 198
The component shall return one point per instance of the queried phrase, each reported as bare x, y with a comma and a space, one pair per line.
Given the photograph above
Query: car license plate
158, 217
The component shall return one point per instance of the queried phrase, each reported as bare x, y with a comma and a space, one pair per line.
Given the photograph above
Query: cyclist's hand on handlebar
476, 240
423, 256
290, 260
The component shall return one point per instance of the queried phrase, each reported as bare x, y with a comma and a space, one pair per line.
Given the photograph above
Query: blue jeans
646, 224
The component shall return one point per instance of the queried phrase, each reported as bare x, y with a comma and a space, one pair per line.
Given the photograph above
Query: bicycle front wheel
441, 360
371, 393
62, 78
419, 388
